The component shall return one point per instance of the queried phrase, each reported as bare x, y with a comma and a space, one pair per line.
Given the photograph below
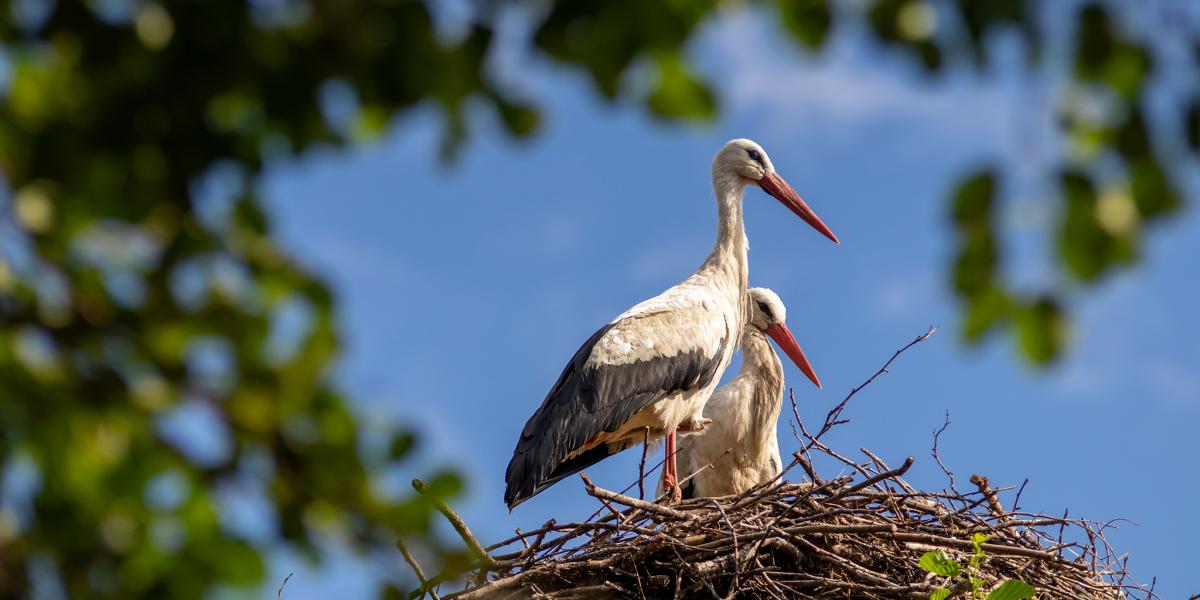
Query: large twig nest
828, 539
859, 536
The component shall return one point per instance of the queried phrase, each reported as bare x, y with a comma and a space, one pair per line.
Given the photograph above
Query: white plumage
741, 443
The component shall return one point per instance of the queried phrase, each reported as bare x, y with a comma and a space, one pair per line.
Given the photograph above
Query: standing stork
653, 368
741, 444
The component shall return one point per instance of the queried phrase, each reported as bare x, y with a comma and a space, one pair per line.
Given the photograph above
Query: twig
1017, 500
416, 567
982, 482
833, 417
642, 465
279, 594
937, 435
807, 466
650, 507
455, 521
902, 469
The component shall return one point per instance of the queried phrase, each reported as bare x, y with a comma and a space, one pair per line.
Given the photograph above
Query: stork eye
755, 156
766, 310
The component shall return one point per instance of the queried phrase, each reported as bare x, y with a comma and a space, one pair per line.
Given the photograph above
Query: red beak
775, 185
783, 336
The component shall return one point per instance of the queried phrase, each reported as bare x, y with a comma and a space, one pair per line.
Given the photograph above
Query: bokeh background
262, 263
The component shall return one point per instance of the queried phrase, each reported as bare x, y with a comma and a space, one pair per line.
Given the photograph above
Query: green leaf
520, 119
975, 265
1096, 40
1013, 589
973, 197
679, 94
807, 20
1153, 191
1041, 330
1192, 123
1133, 137
986, 311
402, 443
982, 16
1104, 56
976, 583
939, 564
939, 594
1087, 247
885, 18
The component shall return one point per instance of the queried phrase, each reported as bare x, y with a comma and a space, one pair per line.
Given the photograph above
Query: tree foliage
141, 288
157, 347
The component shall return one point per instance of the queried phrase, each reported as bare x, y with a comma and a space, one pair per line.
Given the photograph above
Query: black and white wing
655, 350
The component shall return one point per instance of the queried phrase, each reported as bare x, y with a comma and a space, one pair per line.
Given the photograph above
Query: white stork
741, 443
655, 365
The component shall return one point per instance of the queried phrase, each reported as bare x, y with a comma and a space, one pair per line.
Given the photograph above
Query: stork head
747, 161
768, 315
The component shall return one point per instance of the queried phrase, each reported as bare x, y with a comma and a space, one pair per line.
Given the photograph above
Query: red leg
670, 476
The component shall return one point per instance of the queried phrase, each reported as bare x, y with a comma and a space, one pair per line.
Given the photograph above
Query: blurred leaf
573, 32
1133, 138
974, 268
973, 198
402, 444
808, 21
884, 16
678, 94
986, 311
1087, 248
1096, 41
1041, 330
392, 592
983, 16
931, 55
939, 594
520, 119
972, 212
1153, 193
1103, 56
1192, 125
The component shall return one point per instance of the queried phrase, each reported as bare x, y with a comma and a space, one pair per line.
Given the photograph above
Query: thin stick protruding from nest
982, 482
279, 594
455, 521
650, 507
834, 416
642, 464
416, 567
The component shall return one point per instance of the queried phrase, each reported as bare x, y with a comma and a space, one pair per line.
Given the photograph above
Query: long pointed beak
783, 336
775, 185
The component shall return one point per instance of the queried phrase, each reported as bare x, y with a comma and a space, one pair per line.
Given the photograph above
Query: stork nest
859, 536
851, 537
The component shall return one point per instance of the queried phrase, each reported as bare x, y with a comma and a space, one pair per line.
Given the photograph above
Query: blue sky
464, 289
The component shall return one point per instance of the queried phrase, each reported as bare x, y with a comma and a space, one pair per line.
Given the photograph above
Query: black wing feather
587, 401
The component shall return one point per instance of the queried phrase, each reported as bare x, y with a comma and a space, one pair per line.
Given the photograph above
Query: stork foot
695, 425
676, 494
